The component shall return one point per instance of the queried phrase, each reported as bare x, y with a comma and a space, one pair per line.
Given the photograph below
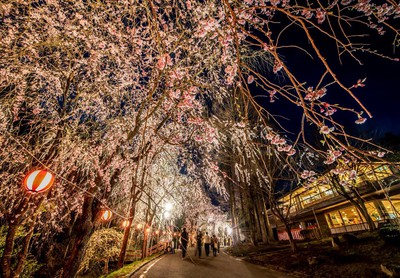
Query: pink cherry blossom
326, 130
320, 15
163, 61
360, 120
250, 79
277, 67
381, 154
353, 174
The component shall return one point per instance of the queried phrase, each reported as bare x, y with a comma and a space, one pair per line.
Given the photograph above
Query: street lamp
168, 207
167, 210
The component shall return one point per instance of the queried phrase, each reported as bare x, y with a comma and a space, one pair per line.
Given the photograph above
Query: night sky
381, 95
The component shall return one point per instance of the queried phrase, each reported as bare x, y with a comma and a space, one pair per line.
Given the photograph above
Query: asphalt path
173, 266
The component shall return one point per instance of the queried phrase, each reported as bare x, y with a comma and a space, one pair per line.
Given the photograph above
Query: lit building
319, 209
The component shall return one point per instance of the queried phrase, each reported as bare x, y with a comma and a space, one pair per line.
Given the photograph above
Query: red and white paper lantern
38, 181
126, 223
107, 214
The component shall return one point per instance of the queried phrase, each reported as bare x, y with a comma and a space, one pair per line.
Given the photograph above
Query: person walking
207, 242
214, 242
184, 242
199, 243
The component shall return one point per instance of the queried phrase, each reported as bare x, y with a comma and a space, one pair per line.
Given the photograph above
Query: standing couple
210, 241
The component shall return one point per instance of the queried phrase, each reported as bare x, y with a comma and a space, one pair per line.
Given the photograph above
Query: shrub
390, 234
350, 238
104, 245
31, 265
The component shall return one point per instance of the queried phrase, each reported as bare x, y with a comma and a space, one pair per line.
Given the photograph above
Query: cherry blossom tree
95, 91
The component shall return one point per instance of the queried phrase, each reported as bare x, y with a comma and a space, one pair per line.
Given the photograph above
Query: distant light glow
168, 206
229, 230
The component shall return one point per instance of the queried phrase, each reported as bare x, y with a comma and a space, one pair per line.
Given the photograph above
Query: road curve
173, 266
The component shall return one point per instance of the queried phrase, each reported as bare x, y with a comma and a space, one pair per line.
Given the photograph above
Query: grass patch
129, 268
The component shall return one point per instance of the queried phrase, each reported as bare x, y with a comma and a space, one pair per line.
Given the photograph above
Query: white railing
351, 228
297, 235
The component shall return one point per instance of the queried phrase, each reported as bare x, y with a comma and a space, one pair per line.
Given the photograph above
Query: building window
378, 173
351, 216
334, 220
373, 211
392, 213
344, 217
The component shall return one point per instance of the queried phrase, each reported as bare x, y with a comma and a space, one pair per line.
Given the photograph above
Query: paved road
172, 266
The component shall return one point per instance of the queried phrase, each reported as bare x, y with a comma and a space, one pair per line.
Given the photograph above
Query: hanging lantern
125, 224
38, 181
139, 226
107, 214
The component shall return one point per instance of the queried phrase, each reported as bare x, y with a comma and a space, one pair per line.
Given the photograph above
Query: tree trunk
268, 224
105, 271
364, 212
127, 231
356, 200
24, 252
144, 245
251, 216
261, 219
6, 270
122, 253
360, 206
82, 231
235, 228
256, 224
263, 226
291, 240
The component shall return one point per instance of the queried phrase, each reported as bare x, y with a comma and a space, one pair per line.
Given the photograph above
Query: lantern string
64, 179
77, 186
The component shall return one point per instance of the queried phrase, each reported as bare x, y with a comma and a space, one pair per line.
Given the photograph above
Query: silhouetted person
207, 242
198, 240
184, 240
214, 242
